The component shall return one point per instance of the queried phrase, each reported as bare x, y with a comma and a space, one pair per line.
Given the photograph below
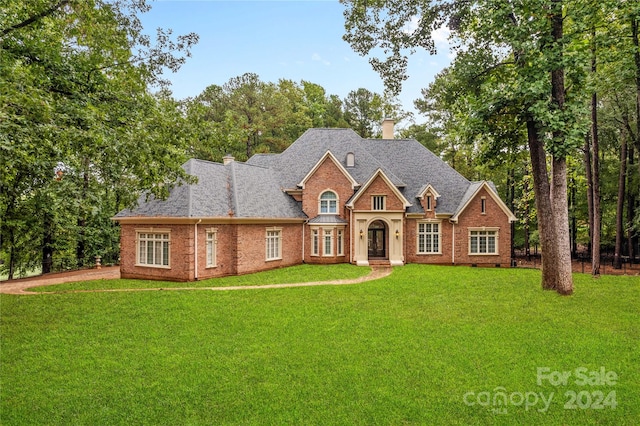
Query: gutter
195, 243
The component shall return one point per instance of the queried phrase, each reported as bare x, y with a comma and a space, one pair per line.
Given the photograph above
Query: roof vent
351, 159
387, 128
227, 159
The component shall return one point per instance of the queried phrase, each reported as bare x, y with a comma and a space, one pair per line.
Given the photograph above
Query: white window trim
166, 231
268, 238
315, 242
429, 202
211, 236
337, 201
496, 236
483, 205
429, 253
340, 242
373, 202
327, 233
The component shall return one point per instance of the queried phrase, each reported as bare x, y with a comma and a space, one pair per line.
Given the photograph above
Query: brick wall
472, 217
252, 247
411, 242
378, 187
320, 258
180, 248
240, 249
327, 177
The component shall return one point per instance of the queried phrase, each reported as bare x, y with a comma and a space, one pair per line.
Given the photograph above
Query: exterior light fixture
361, 233
397, 233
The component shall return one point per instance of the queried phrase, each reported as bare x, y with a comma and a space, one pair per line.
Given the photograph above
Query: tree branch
35, 18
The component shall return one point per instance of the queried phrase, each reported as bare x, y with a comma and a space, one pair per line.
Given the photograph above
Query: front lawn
426, 345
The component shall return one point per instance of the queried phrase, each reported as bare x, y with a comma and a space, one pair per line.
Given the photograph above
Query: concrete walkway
21, 286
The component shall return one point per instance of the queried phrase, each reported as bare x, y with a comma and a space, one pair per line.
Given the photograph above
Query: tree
76, 143
523, 46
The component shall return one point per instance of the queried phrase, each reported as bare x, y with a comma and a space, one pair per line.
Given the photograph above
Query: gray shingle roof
417, 167
235, 189
296, 161
255, 188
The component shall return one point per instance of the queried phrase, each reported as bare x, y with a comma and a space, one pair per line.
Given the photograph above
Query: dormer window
351, 159
483, 205
328, 203
429, 202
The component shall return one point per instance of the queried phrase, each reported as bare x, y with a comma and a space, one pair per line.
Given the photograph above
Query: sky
296, 40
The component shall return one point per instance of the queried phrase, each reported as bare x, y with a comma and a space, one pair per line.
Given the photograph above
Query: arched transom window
328, 203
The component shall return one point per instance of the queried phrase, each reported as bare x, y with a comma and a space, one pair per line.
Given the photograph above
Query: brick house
331, 197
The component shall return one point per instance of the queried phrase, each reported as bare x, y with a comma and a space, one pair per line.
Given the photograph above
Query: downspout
453, 243
304, 225
351, 244
195, 243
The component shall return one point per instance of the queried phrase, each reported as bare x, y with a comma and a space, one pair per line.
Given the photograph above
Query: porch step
382, 262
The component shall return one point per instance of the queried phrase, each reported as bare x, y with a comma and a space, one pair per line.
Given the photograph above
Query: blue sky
296, 40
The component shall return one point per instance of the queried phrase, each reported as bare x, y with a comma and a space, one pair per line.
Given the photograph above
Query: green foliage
80, 135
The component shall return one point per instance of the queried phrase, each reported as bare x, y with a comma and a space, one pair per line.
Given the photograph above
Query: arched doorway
377, 240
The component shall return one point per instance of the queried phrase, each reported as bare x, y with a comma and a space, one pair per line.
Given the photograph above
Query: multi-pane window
153, 249
483, 242
340, 242
211, 243
428, 238
377, 202
315, 242
329, 203
274, 247
328, 242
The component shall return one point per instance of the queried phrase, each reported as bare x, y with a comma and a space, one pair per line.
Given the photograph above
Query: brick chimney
227, 159
387, 128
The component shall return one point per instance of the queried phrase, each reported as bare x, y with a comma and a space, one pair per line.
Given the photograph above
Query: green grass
400, 350
293, 274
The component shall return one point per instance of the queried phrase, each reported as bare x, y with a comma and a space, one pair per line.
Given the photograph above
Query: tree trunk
511, 203
558, 192
561, 217
12, 255
541, 189
589, 176
622, 177
47, 242
574, 222
82, 221
631, 207
595, 173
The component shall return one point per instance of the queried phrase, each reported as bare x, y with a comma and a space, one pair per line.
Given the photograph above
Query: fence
581, 262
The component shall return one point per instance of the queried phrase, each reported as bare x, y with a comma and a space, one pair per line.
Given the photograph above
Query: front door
377, 238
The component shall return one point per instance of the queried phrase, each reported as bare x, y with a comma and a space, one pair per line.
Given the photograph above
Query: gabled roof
417, 166
473, 190
294, 163
328, 155
363, 189
428, 188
